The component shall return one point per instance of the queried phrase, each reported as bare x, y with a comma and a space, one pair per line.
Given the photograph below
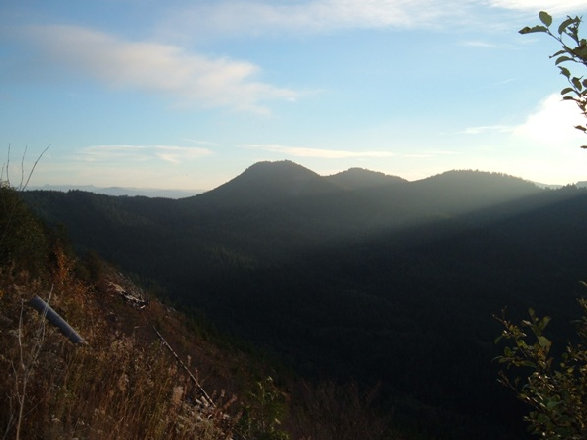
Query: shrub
555, 390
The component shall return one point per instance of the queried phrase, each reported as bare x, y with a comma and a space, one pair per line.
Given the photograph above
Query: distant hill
547, 185
359, 195
480, 182
269, 182
120, 191
463, 190
281, 203
359, 178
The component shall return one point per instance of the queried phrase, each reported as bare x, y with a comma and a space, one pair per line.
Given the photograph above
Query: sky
187, 94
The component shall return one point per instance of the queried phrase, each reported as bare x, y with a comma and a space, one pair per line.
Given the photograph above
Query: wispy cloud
553, 6
200, 142
322, 153
428, 154
256, 17
478, 44
141, 153
484, 129
188, 78
504, 81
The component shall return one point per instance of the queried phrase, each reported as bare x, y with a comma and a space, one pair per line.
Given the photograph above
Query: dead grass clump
115, 387
344, 412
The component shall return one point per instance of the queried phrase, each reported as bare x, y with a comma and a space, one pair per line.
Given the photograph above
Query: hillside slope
146, 370
124, 383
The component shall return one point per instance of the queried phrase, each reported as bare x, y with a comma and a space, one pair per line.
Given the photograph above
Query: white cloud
188, 78
552, 6
479, 44
318, 152
141, 153
552, 123
484, 129
200, 142
255, 17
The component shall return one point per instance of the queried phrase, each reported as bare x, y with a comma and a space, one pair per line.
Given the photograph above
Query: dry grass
120, 385
343, 412
124, 384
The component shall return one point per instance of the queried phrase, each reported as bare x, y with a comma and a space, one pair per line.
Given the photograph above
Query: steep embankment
147, 370
123, 382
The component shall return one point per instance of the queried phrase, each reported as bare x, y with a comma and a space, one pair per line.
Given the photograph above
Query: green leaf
527, 363
580, 127
558, 52
563, 59
545, 18
532, 30
565, 24
573, 31
544, 342
567, 90
577, 83
565, 71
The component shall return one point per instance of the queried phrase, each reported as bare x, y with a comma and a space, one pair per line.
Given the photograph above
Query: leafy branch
573, 50
556, 391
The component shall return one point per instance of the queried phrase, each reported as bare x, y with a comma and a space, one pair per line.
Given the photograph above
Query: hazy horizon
179, 193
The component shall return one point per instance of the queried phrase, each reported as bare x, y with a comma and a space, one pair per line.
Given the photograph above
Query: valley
358, 276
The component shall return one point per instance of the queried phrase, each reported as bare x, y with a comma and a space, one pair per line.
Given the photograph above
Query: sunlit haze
187, 94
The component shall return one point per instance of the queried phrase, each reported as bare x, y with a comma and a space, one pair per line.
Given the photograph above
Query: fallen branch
201, 390
54, 318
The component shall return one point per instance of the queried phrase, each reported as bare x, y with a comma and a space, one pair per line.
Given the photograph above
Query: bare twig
8, 166
22, 188
11, 210
10, 418
26, 366
23, 184
22, 166
201, 390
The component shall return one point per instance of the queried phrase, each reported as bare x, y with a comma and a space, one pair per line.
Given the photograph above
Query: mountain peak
270, 181
358, 178
279, 168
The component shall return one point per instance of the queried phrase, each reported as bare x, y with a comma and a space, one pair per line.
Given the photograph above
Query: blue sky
187, 94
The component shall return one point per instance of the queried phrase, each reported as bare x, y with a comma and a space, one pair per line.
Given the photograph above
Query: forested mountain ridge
392, 283
268, 182
356, 178
282, 203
